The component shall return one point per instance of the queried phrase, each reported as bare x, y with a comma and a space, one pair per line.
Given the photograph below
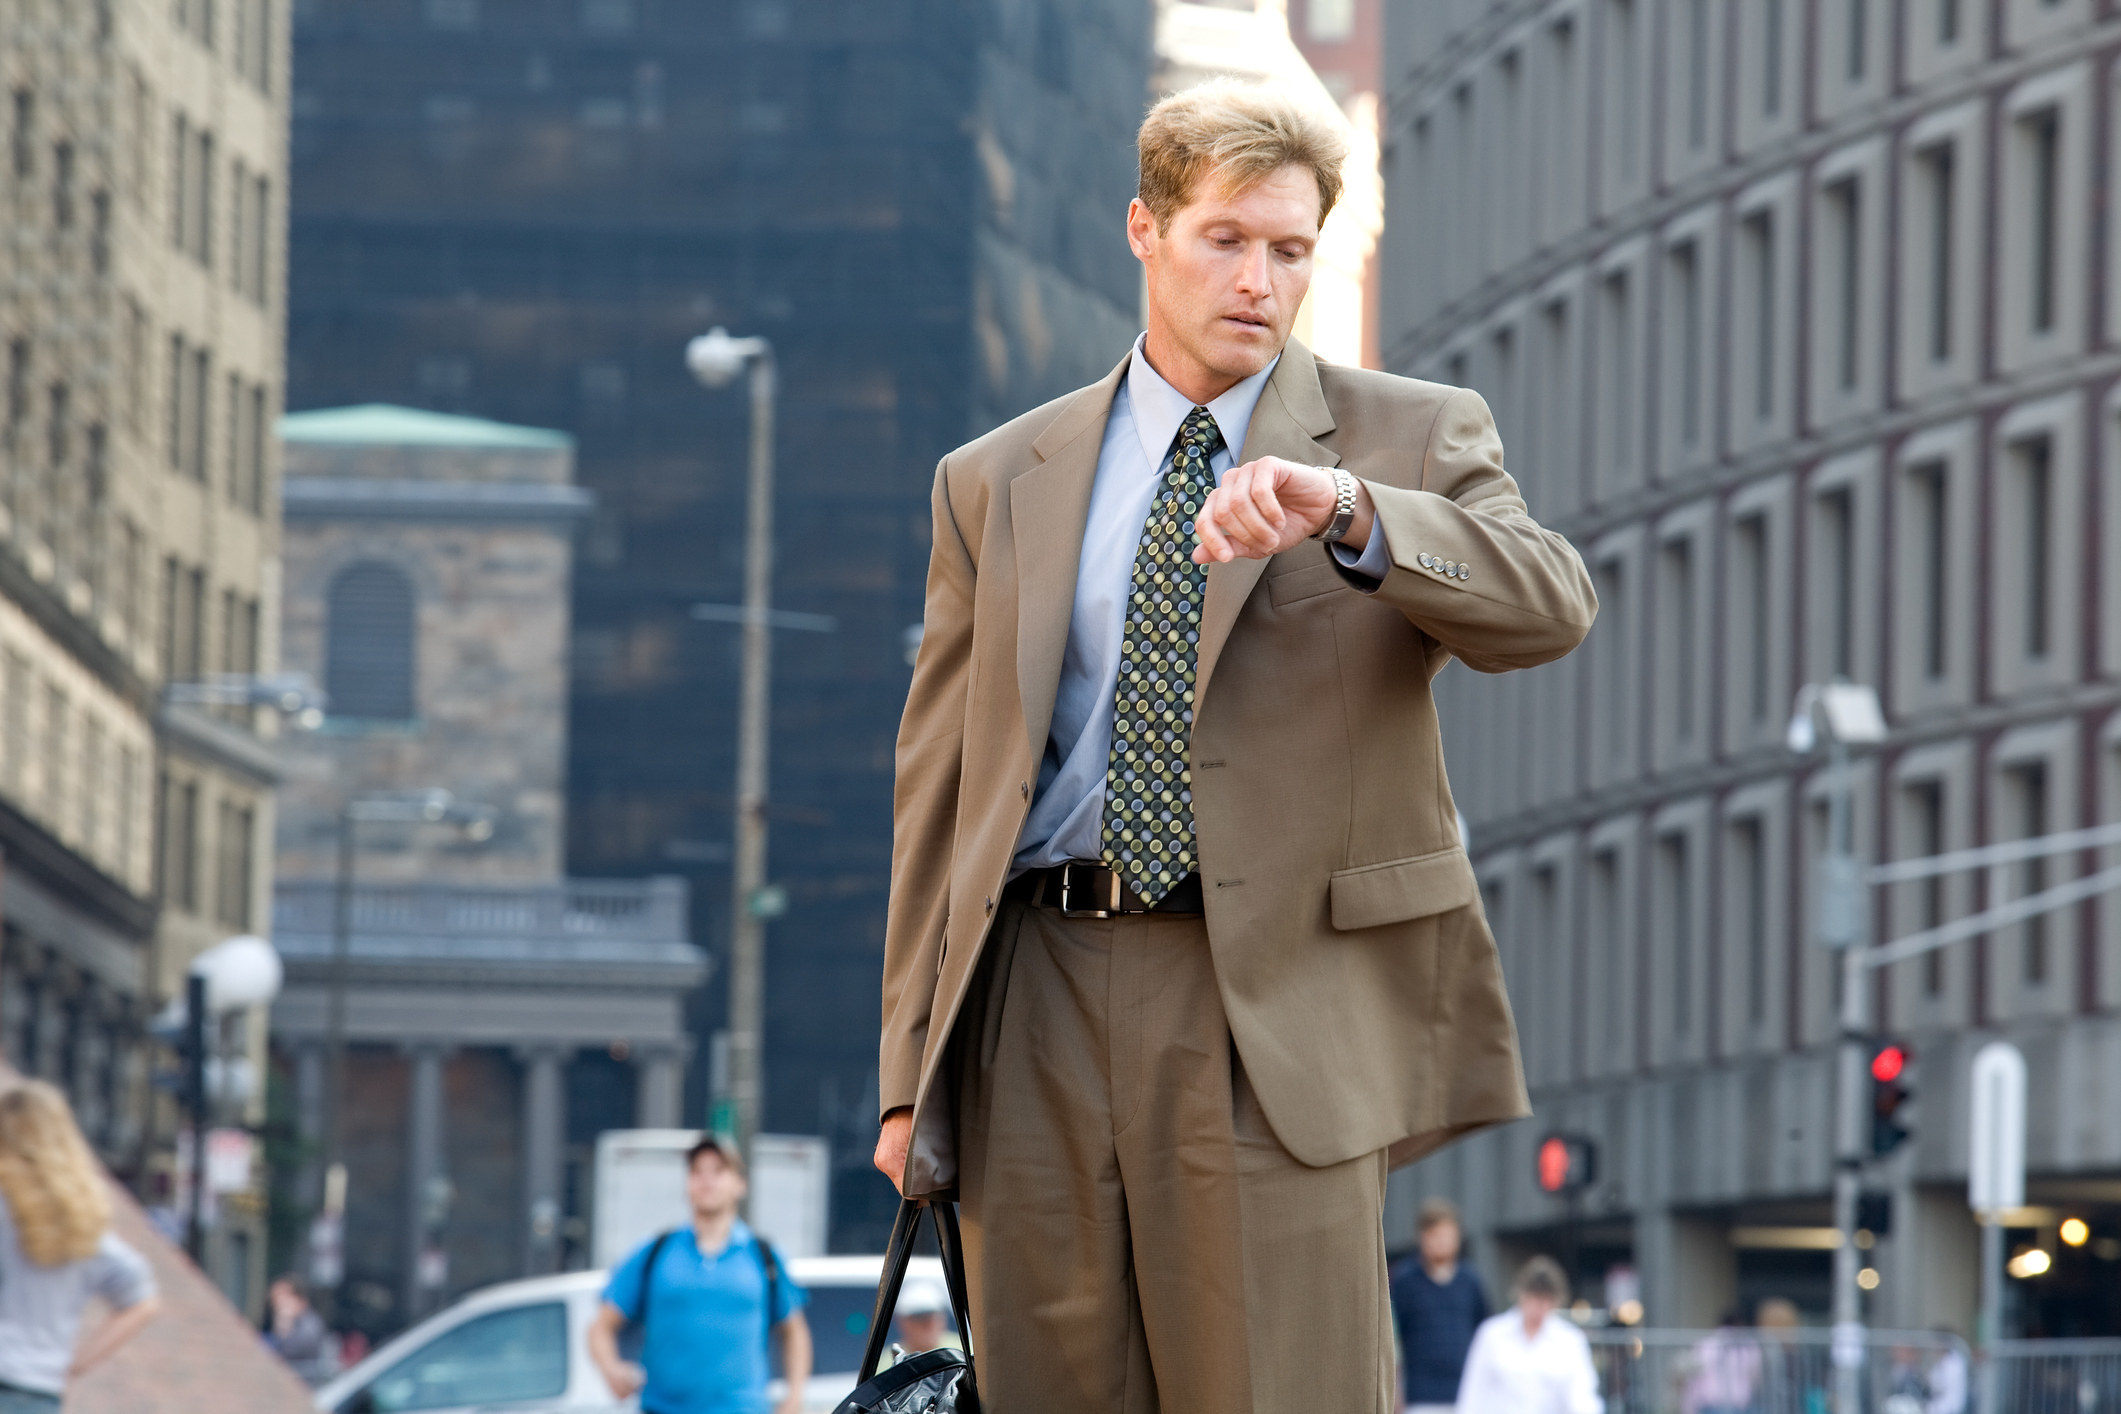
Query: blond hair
52, 1183
1242, 133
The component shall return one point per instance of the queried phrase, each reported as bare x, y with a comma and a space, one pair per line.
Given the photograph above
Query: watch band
1343, 507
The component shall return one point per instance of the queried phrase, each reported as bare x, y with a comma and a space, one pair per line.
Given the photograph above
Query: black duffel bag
934, 1381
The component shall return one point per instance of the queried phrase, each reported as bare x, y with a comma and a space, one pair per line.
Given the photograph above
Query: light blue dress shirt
1067, 814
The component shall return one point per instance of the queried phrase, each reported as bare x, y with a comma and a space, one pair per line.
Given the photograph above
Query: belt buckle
1069, 883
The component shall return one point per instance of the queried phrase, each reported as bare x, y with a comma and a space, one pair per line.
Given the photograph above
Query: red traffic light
1888, 1063
1554, 1164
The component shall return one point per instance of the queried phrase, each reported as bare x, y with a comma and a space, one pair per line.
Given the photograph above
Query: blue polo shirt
705, 1343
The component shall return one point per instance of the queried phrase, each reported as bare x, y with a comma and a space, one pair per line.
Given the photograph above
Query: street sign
1995, 1167
1567, 1164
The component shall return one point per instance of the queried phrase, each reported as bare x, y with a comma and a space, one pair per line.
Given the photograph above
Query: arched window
368, 647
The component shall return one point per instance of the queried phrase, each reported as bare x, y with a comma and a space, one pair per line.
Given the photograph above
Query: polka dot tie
1148, 834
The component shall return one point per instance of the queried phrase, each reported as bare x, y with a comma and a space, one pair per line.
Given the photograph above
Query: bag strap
772, 1262
898, 1256
655, 1250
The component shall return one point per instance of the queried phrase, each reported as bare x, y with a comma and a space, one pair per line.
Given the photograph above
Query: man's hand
1267, 506
891, 1145
625, 1378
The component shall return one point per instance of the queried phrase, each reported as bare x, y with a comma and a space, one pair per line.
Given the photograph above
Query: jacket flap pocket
1400, 889
1306, 583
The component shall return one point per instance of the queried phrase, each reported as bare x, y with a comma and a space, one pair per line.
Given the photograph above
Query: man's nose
1252, 273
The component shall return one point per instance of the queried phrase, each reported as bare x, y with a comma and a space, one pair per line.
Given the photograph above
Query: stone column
423, 1163
659, 1089
544, 1155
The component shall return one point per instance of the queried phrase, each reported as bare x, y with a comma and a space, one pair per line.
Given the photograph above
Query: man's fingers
1214, 545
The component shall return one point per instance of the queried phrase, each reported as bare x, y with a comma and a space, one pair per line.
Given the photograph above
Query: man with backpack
708, 1300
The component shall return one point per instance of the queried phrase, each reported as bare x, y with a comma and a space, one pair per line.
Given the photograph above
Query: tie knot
1198, 435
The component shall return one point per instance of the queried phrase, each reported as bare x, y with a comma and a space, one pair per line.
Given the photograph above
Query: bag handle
898, 1256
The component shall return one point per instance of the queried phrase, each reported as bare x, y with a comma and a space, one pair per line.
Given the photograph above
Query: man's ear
1142, 234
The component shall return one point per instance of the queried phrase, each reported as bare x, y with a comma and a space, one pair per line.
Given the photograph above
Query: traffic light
1889, 1095
1567, 1164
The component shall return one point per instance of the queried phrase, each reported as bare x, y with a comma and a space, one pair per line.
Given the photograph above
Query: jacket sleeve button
990, 905
1023, 788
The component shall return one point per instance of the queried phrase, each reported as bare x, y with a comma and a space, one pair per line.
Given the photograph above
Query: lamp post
716, 358
232, 975
1847, 714
425, 807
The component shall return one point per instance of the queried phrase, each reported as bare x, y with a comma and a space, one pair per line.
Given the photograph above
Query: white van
521, 1347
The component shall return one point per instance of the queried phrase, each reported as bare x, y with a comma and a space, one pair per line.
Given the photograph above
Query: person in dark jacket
1436, 1306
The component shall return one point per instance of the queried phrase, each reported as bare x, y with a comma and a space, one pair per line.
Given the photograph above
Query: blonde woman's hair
1240, 132
52, 1182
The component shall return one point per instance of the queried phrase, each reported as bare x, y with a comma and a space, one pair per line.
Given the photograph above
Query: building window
1938, 178
2042, 141
179, 884
2034, 474
1697, 75
1755, 581
1837, 548
1757, 245
607, 16
1859, 24
1931, 498
63, 185
1616, 697
1686, 311
1606, 958
1676, 595
14, 720
2028, 789
184, 621
1947, 21
1749, 850
92, 785
1623, 69
1844, 202
57, 745
99, 232
1617, 361
18, 391
1925, 801
232, 875
368, 667
23, 137
1330, 21
1674, 866
58, 425
1771, 59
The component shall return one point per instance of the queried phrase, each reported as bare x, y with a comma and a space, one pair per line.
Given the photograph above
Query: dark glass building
521, 209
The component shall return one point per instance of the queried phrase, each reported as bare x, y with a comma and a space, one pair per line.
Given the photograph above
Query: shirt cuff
1373, 563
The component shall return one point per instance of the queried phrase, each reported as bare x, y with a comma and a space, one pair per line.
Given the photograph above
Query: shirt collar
1160, 409
739, 1237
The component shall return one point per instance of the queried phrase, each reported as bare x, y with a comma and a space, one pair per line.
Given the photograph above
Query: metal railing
2057, 1376
634, 910
1772, 1371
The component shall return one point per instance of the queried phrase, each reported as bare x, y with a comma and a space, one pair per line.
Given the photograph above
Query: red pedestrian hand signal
1888, 1063
1554, 1164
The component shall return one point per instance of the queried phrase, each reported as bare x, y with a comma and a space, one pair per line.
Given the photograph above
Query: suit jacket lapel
1048, 507
1291, 414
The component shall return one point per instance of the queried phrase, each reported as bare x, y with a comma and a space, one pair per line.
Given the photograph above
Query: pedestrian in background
1437, 1305
924, 1318
1529, 1359
1725, 1377
57, 1251
708, 1299
296, 1332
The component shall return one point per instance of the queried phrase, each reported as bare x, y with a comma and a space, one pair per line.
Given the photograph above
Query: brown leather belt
1081, 890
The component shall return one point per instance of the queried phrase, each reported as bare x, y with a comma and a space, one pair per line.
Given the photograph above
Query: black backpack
935, 1381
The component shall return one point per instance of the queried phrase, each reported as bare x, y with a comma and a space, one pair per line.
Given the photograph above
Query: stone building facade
141, 342
498, 1015
1801, 320
524, 211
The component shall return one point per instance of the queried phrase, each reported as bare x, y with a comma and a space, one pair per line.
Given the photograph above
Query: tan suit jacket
1360, 981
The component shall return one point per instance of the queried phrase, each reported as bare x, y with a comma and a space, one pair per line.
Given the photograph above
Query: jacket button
1023, 788
990, 905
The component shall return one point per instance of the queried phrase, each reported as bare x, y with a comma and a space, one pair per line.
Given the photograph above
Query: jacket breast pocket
1306, 583
1397, 890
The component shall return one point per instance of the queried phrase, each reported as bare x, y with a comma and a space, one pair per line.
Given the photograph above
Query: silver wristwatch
1343, 506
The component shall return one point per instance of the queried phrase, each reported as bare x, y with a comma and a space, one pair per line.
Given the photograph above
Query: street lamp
1846, 714
417, 807
232, 975
716, 358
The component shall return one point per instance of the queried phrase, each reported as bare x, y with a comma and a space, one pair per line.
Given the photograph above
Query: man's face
1227, 275
1440, 1243
713, 1187
922, 1332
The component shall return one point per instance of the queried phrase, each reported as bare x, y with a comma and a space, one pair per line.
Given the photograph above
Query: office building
1801, 322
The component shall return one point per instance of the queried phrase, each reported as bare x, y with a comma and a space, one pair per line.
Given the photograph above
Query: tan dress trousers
1139, 1241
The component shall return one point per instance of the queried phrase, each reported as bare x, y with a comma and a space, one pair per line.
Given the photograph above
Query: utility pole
715, 358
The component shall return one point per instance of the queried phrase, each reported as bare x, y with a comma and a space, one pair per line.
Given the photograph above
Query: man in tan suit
1184, 950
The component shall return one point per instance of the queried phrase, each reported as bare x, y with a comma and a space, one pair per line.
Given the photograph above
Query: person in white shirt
1529, 1360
